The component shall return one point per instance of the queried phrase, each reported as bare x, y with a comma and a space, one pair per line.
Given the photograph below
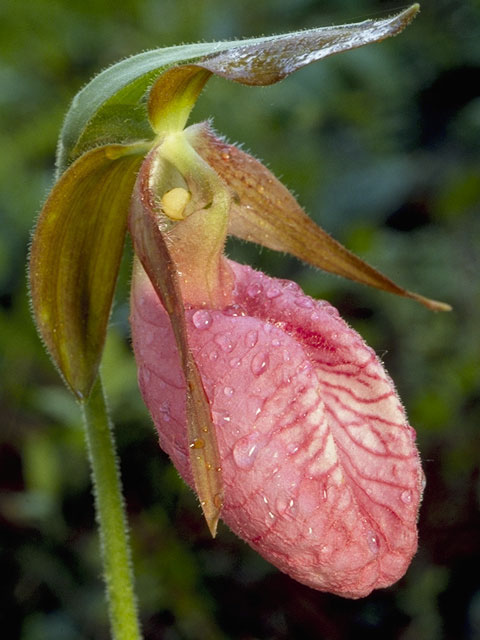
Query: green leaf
152, 251
265, 212
112, 107
75, 257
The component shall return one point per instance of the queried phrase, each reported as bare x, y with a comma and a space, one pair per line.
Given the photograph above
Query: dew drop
271, 515
331, 311
202, 319
281, 505
217, 501
213, 355
198, 443
234, 310
424, 481
224, 342
251, 339
259, 363
372, 540
273, 292
220, 417
254, 289
228, 391
165, 411
292, 507
276, 342
246, 450
293, 286
406, 496
234, 362
292, 448
304, 302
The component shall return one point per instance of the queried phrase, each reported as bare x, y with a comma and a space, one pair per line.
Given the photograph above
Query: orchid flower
272, 409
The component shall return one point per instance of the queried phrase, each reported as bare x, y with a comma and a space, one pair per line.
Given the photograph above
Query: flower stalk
110, 514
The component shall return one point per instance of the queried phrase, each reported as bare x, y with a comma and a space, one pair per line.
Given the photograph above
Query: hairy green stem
110, 512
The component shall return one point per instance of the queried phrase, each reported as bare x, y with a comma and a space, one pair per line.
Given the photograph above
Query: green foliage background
382, 146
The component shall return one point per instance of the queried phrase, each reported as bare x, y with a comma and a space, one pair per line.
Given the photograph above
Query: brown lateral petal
154, 255
75, 256
265, 212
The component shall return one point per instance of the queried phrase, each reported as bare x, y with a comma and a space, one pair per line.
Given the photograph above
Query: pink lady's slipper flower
274, 411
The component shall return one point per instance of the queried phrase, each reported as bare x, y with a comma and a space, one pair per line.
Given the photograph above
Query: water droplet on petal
202, 319
273, 292
292, 507
304, 302
281, 505
224, 342
259, 363
406, 496
292, 286
276, 342
217, 501
234, 362
221, 416
234, 310
165, 411
292, 448
254, 289
331, 311
228, 391
246, 450
372, 540
213, 355
251, 338
198, 443
424, 481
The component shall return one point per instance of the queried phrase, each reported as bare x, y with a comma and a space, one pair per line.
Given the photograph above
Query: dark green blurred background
382, 147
